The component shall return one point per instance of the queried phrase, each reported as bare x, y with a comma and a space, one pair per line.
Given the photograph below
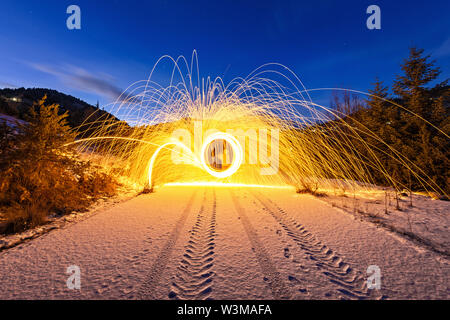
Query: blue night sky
325, 42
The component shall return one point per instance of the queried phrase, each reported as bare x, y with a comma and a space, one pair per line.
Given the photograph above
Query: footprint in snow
287, 253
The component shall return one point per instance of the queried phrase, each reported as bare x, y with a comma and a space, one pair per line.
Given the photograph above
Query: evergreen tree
439, 146
381, 119
410, 87
40, 174
420, 143
46, 132
416, 133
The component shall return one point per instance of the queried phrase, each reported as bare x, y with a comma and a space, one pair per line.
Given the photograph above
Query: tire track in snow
147, 289
273, 276
350, 282
194, 276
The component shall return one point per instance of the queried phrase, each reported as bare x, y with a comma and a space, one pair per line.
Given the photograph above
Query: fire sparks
262, 130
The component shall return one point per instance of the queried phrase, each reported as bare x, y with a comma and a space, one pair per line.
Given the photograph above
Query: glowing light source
155, 154
236, 160
317, 148
226, 185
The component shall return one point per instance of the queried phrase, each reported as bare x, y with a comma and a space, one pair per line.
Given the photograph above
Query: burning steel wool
262, 130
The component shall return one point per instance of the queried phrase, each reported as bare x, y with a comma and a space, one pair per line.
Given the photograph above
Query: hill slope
16, 103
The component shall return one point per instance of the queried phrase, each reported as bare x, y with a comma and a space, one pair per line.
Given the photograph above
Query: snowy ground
421, 219
10, 121
228, 243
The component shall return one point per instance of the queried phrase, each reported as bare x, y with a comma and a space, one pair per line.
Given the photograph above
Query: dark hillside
17, 102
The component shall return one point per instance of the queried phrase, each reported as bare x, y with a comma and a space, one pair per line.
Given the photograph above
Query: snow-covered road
222, 243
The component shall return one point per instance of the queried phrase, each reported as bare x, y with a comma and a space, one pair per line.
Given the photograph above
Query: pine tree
381, 119
418, 72
410, 87
439, 144
379, 94
40, 173
420, 142
46, 132
378, 113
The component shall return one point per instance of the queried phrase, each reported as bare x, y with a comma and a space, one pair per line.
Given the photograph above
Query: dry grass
39, 177
30, 194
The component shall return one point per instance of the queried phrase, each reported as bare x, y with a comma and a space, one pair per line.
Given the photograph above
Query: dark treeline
17, 102
413, 119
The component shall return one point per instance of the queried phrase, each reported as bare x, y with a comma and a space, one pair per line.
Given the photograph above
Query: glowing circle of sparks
237, 154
